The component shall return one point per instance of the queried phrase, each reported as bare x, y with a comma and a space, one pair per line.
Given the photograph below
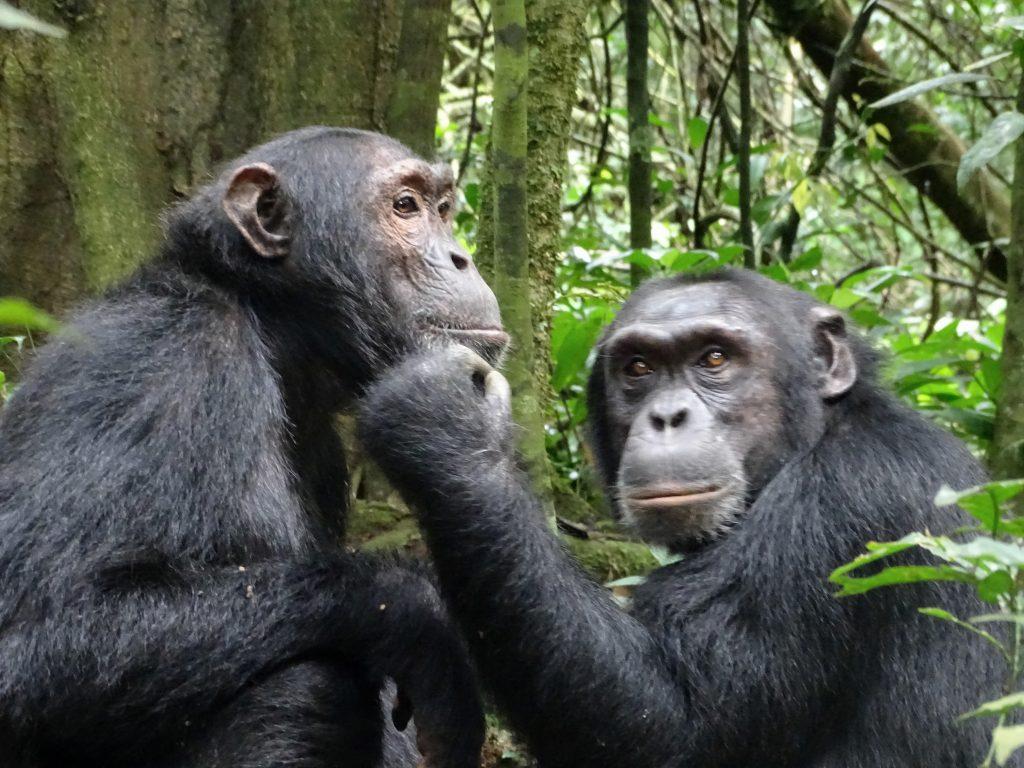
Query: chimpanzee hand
436, 418
423, 653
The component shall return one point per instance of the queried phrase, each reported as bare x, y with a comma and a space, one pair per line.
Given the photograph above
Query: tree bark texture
1007, 449
555, 36
638, 106
144, 98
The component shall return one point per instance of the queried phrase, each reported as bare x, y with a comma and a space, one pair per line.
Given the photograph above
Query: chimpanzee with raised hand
172, 492
740, 423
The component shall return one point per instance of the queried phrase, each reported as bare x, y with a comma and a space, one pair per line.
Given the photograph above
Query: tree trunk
510, 217
556, 31
1007, 450
930, 159
100, 131
556, 36
638, 107
412, 113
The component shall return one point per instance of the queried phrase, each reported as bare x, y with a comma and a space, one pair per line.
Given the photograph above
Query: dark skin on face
695, 410
691, 399
431, 280
432, 274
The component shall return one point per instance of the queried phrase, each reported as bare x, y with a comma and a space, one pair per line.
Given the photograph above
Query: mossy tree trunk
412, 113
524, 275
101, 130
1007, 450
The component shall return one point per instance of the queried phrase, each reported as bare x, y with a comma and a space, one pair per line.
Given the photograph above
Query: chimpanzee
739, 423
172, 492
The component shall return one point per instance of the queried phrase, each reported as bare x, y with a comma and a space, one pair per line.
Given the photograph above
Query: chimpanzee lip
676, 495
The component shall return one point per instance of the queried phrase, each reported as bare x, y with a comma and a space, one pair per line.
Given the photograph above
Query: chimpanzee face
695, 406
361, 229
430, 273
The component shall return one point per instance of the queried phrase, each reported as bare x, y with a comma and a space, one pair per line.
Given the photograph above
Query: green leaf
697, 128
19, 312
15, 18
571, 355
995, 586
999, 491
902, 574
801, 196
876, 551
1012, 22
1007, 739
1005, 129
915, 90
938, 613
808, 260
998, 706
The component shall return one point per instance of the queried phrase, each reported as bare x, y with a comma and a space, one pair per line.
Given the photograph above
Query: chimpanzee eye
714, 358
444, 208
638, 367
405, 205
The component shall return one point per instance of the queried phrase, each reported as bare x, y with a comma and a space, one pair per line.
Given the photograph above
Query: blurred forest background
864, 154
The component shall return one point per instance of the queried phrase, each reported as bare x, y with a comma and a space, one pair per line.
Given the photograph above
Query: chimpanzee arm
121, 668
584, 681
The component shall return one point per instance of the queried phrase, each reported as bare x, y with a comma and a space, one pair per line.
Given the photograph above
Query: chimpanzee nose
668, 417
460, 261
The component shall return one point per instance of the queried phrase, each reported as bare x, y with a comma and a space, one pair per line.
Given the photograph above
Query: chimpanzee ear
838, 365
254, 203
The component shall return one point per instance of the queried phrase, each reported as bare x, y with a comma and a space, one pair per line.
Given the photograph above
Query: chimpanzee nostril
460, 261
661, 423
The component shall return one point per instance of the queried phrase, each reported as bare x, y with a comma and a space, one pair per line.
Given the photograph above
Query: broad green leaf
995, 586
901, 574
1007, 739
844, 298
1005, 129
15, 18
571, 355
808, 260
877, 550
801, 196
20, 313
697, 129
999, 490
915, 90
998, 706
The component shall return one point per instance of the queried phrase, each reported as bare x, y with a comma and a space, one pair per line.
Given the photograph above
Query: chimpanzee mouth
656, 497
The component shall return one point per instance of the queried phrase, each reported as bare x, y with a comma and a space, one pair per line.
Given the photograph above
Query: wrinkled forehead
393, 172
687, 304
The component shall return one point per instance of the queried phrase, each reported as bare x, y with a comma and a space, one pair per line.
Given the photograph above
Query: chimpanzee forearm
137, 664
546, 637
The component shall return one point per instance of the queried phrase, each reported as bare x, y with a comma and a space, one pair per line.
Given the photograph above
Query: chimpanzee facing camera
172, 492
739, 422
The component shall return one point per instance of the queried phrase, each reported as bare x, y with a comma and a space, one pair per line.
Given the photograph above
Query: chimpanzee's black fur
172, 495
738, 656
